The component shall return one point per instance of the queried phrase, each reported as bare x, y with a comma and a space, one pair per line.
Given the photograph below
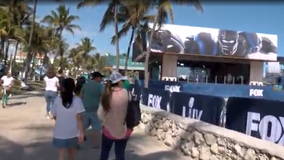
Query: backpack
133, 115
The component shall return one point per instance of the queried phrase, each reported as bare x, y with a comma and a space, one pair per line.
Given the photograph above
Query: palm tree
96, 62
14, 15
111, 10
29, 55
62, 47
62, 20
136, 19
164, 7
75, 59
85, 48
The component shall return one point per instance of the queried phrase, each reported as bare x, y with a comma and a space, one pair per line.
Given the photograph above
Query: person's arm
101, 113
82, 91
2, 79
57, 82
79, 118
12, 82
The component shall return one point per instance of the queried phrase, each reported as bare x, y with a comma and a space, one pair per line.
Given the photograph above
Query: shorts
65, 143
91, 119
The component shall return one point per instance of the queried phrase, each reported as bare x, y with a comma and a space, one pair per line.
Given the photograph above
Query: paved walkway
25, 134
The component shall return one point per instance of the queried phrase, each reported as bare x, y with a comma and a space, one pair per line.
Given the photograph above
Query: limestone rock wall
202, 141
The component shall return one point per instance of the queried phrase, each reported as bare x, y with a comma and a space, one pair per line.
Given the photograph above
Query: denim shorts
65, 143
91, 119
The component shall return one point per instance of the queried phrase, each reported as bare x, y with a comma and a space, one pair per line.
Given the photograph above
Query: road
25, 134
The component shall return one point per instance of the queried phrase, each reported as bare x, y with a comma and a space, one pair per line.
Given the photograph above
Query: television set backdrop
211, 42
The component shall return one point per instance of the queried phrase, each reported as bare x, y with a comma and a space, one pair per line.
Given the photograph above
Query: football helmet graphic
228, 42
267, 46
249, 42
202, 43
165, 41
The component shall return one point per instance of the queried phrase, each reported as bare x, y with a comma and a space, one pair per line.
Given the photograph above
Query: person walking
68, 130
60, 77
51, 86
91, 95
112, 112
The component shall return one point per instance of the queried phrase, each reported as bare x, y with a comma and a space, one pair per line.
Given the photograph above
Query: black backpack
133, 115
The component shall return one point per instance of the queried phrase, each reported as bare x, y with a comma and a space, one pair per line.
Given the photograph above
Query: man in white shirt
7, 81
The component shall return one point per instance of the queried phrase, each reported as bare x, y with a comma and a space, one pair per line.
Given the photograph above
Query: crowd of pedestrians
78, 107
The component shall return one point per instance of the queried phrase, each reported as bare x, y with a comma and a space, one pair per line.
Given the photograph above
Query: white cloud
81, 33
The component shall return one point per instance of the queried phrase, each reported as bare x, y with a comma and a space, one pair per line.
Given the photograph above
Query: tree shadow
28, 95
140, 147
14, 104
10, 150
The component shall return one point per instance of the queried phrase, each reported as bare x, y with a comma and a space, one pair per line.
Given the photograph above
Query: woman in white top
68, 130
51, 85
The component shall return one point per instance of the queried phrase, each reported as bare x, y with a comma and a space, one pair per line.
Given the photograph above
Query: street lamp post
12, 48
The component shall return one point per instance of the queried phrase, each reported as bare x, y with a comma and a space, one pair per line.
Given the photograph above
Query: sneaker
50, 115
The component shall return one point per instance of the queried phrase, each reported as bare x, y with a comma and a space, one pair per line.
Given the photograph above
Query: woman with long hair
51, 87
68, 130
112, 113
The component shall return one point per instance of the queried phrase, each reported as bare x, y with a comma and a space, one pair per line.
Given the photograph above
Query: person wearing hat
91, 95
112, 113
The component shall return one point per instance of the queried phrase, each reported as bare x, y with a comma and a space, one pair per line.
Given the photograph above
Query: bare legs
96, 139
71, 153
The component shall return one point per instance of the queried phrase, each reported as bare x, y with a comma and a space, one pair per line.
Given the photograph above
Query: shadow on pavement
28, 94
15, 104
10, 150
140, 147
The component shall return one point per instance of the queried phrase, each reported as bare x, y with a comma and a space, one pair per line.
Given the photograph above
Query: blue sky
260, 18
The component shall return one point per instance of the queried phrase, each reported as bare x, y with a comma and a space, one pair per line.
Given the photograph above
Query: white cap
115, 77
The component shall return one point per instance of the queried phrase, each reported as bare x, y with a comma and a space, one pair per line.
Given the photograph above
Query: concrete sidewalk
25, 134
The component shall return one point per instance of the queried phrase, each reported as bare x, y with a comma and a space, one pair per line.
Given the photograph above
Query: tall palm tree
29, 55
62, 20
75, 59
114, 12
164, 7
85, 47
62, 47
136, 19
14, 15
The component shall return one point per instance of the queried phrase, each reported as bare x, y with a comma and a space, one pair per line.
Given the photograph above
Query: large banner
259, 118
200, 107
212, 42
156, 98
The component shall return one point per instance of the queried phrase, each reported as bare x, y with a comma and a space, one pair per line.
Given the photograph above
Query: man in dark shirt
60, 77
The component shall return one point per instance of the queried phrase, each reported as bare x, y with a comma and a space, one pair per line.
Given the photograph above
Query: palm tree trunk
33, 64
29, 54
6, 52
59, 50
15, 55
116, 35
2, 47
128, 50
146, 75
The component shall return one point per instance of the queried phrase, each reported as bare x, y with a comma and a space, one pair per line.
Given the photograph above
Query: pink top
113, 122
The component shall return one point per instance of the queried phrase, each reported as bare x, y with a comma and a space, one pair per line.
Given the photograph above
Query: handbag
133, 115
